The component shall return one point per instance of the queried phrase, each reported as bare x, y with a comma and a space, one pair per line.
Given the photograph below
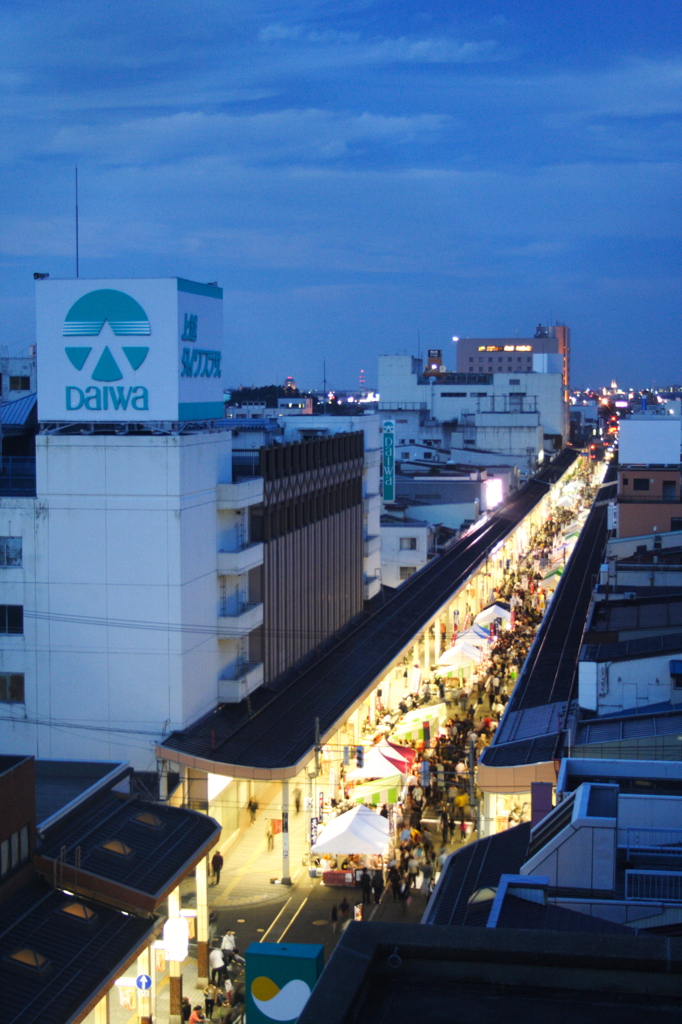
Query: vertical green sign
279, 979
389, 461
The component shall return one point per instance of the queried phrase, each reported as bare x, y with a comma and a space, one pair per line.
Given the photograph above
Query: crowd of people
430, 817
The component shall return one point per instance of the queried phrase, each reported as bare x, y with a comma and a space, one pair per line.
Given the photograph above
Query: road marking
293, 919
276, 919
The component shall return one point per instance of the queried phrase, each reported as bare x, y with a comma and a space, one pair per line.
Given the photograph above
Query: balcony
234, 563
246, 678
247, 618
240, 495
372, 545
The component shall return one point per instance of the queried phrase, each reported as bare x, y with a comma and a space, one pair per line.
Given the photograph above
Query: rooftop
141, 847
77, 955
61, 785
530, 730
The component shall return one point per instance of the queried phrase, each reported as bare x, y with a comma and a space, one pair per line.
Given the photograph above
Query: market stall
411, 725
378, 792
497, 610
359, 831
378, 764
462, 653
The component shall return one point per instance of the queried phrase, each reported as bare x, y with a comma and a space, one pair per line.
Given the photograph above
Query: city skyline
360, 180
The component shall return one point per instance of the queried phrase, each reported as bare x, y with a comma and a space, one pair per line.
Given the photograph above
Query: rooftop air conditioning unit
630, 595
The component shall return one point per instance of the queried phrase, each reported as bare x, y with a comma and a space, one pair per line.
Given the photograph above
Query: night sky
357, 174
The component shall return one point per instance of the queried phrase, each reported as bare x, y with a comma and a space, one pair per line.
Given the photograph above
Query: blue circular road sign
143, 981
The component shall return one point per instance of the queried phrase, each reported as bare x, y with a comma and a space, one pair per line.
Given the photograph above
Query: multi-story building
476, 417
523, 355
143, 583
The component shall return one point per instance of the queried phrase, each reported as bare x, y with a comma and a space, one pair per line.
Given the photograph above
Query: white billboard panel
647, 441
129, 350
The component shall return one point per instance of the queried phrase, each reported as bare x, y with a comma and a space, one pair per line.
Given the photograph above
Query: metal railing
17, 476
662, 842
654, 885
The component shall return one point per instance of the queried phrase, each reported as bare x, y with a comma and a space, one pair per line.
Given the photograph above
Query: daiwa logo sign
86, 319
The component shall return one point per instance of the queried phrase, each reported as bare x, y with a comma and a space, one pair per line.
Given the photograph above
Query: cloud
286, 135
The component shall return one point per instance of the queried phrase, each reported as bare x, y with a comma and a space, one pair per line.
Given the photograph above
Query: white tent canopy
494, 611
356, 831
475, 636
461, 654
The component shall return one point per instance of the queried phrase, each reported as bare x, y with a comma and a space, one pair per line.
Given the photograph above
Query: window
676, 523
626, 481
453, 394
404, 455
640, 483
10, 551
406, 571
408, 543
669, 490
4, 857
20, 383
11, 618
514, 381
12, 687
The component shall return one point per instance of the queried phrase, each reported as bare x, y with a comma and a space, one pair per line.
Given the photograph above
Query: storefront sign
116, 350
314, 826
279, 980
388, 476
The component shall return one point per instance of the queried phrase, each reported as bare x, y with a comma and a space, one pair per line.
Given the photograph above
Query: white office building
477, 418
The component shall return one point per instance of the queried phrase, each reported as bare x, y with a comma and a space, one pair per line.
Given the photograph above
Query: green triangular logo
107, 367
77, 356
135, 356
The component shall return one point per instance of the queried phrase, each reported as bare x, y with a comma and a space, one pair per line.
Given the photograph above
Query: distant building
522, 355
480, 418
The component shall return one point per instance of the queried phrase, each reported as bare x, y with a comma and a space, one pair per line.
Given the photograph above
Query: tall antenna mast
77, 261
324, 381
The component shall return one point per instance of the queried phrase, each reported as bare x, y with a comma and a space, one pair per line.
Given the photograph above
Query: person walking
186, 1009
445, 825
216, 962
366, 886
334, 918
394, 881
253, 809
297, 798
378, 886
269, 835
217, 865
412, 872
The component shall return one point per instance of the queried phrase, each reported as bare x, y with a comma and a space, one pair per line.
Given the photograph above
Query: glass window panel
4, 857
15, 618
13, 550
16, 687
3, 560
14, 849
4, 687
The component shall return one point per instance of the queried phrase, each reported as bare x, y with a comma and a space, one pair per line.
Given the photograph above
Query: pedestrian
196, 1015
412, 871
269, 835
253, 809
344, 909
394, 881
463, 830
366, 886
384, 811
334, 918
445, 825
210, 993
378, 886
186, 1008
216, 962
229, 947
297, 798
217, 865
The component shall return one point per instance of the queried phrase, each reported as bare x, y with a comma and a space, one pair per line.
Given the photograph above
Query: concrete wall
610, 687
393, 557
120, 593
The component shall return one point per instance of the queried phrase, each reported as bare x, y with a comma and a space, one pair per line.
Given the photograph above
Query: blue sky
355, 174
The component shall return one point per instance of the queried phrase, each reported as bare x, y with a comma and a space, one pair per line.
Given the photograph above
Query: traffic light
360, 757
346, 756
